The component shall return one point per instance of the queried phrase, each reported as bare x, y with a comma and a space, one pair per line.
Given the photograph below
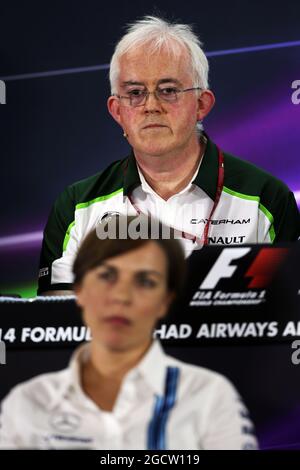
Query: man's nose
153, 103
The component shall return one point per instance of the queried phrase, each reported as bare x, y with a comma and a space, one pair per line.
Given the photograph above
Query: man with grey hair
159, 97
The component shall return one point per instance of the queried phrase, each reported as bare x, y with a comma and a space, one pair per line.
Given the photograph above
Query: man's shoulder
102, 184
248, 179
110, 177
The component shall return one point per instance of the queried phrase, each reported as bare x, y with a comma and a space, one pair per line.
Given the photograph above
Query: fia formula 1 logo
260, 271
250, 279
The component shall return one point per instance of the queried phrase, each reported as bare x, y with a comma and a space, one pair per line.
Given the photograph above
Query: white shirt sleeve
9, 438
228, 423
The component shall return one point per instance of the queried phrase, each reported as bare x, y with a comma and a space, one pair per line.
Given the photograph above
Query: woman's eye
146, 282
106, 276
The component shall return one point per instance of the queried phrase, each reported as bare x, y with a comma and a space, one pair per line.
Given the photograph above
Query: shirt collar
206, 177
147, 188
71, 380
152, 369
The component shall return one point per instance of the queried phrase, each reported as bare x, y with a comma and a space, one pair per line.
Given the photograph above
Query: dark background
55, 129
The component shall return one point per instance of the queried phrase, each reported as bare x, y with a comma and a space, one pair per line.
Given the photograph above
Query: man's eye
136, 92
168, 91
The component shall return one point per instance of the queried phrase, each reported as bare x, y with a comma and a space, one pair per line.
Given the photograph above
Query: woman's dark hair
118, 240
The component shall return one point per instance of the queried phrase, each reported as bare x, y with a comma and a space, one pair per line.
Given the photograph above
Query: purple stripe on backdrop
267, 136
263, 47
54, 73
93, 68
35, 238
283, 433
22, 239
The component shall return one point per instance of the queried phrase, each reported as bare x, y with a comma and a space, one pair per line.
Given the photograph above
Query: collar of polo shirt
206, 176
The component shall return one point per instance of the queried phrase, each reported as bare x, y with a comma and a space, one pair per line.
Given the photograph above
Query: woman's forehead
149, 256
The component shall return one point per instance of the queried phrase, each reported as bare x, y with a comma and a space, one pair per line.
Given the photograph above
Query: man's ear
206, 102
113, 105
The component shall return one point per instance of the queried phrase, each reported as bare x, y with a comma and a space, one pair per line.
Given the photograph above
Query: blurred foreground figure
121, 391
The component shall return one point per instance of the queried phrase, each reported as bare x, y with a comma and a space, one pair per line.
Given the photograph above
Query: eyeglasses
138, 97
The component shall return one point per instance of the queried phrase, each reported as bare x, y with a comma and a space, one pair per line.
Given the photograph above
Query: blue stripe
157, 427
152, 432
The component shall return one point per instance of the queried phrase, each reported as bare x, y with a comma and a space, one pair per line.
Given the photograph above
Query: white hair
158, 33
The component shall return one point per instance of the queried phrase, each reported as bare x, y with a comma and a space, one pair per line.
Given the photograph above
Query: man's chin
153, 149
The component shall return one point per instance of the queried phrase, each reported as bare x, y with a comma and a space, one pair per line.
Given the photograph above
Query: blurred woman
121, 391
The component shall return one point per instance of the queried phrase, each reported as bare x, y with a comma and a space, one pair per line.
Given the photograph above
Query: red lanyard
204, 238
220, 185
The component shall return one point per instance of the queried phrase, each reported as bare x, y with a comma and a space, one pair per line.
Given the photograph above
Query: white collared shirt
178, 211
52, 410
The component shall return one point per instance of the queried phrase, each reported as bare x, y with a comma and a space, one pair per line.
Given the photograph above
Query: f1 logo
223, 267
261, 270
2, 92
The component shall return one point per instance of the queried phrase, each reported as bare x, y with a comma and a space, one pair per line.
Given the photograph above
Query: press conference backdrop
239, 316
55, 129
